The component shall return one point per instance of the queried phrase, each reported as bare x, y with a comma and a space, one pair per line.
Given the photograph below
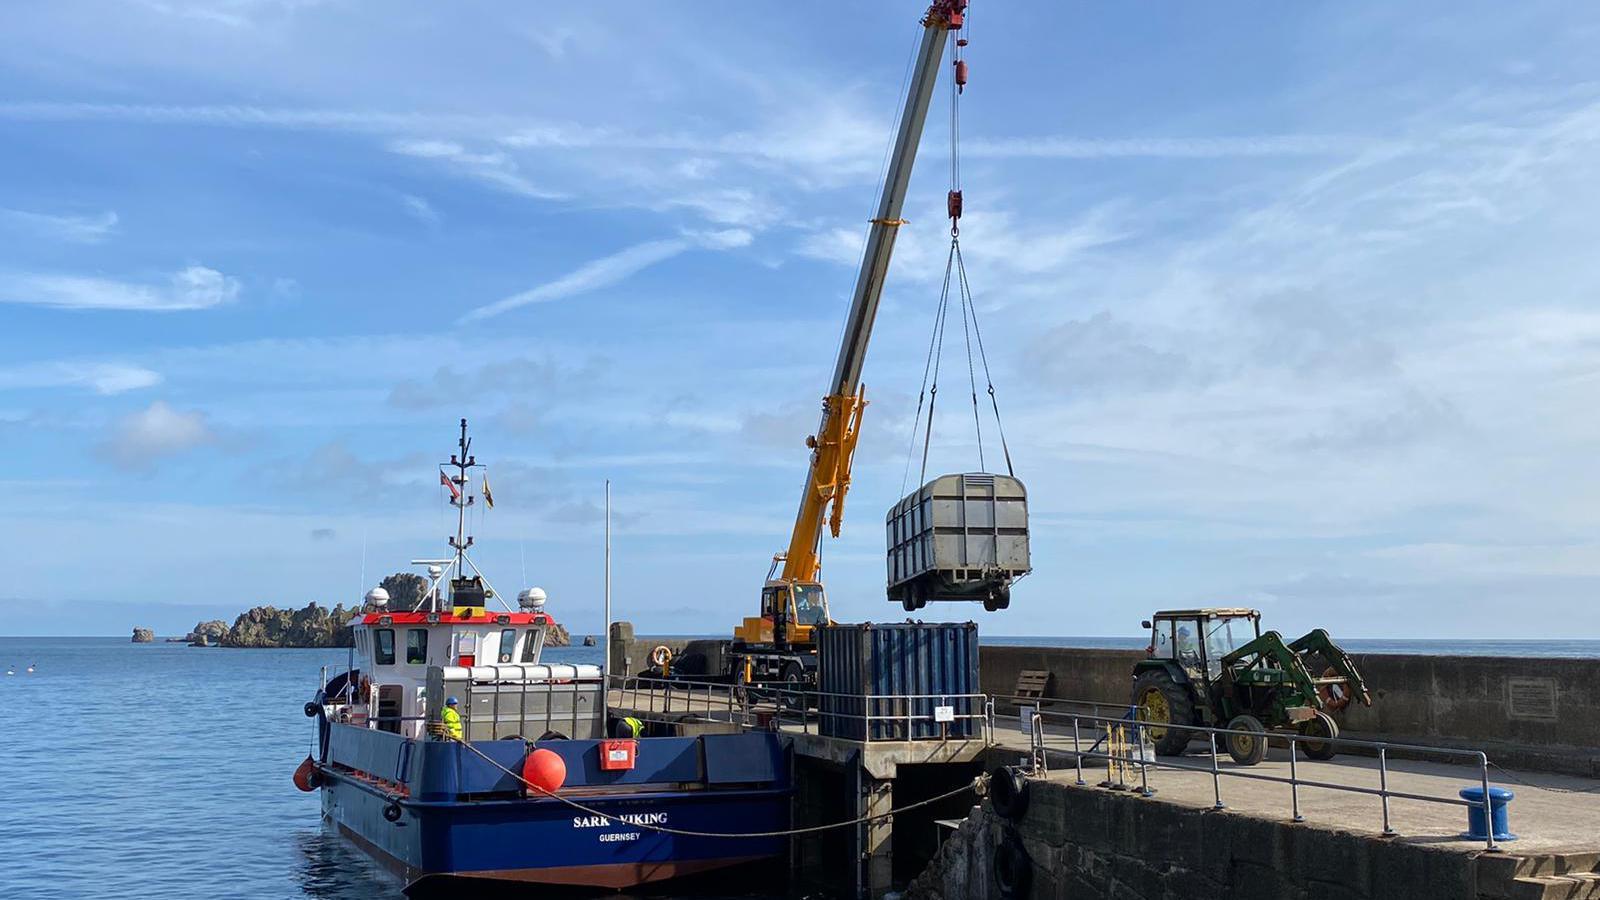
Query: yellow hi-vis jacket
452, 723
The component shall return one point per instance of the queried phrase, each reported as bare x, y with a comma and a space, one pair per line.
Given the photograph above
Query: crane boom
833, 445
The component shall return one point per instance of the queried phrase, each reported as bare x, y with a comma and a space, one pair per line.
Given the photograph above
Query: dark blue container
1498, 798
908, 681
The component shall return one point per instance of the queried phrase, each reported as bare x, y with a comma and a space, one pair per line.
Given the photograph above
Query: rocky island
143, 636
312, 626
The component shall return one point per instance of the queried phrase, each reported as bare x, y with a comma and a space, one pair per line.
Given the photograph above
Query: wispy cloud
420, 209
591, 276
496, 168
141, 439
85, 229
195, 287
1068, 147
101, 377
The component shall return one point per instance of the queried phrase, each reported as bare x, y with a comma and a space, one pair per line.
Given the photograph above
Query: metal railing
1038, 748
781, 705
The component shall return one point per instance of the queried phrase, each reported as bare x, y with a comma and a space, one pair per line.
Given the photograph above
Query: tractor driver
1188, 648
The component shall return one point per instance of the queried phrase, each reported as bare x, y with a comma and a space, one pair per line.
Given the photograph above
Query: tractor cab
1198, 639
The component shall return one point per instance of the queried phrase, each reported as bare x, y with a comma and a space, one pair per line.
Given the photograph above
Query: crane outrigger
777, 644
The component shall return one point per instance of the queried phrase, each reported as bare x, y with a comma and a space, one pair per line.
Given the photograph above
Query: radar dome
378, 597
532, 598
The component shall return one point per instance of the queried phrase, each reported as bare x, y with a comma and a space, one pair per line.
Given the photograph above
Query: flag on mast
488, 498
455, 492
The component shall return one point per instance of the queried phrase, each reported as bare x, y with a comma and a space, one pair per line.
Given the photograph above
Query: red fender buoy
544, 771
303, 775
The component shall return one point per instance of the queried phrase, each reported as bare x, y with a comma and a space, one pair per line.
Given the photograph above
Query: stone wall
1095, 844
1525, 712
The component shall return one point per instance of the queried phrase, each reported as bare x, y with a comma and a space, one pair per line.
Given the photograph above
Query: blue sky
1291, 306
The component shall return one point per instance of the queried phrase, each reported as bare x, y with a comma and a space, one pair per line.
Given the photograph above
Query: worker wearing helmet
450, 720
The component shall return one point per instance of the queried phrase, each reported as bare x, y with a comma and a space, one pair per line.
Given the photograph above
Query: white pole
605, 640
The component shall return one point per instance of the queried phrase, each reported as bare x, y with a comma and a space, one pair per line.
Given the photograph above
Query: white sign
1026, 718
944, 713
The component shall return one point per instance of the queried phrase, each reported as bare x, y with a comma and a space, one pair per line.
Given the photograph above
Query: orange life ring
1335, 697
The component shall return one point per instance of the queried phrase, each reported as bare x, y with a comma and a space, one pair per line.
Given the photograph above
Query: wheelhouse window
385, 647
508, 644
531, 644
417, 646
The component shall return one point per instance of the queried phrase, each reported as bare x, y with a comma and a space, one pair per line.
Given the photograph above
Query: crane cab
789, 612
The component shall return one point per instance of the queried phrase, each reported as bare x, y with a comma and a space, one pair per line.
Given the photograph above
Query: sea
163, 771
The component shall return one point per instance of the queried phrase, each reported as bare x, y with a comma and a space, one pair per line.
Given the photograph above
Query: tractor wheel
1247, 749
1320, 725
1160, 701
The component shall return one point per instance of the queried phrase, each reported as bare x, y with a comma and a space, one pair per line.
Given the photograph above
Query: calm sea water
160, 770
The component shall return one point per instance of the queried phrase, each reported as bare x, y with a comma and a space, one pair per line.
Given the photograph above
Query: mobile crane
777, 645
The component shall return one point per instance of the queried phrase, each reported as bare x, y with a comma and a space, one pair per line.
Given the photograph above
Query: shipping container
908, 681
959, 537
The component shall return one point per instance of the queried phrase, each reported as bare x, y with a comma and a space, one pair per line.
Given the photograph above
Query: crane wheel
1320, 725
1161, 702
1247, 749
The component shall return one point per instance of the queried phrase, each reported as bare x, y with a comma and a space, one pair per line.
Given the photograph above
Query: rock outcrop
144, 636
207, 634
557, 636
313, 626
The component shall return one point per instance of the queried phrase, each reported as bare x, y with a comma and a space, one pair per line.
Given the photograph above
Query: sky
1291, 306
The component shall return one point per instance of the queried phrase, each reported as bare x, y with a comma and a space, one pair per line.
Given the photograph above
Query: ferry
493, 804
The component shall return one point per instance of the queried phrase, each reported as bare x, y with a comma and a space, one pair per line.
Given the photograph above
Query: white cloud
496, 168
141, 439
65, 227
1071, 147
102, 378
420, 209
195, 287
591, 276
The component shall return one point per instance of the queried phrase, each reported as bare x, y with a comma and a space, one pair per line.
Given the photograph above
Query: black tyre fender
313, 708
1008, 793
392, 811
1013, 869
552, 736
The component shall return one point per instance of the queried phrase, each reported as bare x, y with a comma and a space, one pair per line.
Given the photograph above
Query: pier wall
1531, 713
1085, 842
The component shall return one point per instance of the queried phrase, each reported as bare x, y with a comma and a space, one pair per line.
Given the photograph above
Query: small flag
455, 492
488, 498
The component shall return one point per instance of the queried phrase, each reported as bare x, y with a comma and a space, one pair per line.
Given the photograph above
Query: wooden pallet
1033, 683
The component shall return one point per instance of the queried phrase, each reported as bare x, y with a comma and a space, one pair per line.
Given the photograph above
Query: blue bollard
1498, 798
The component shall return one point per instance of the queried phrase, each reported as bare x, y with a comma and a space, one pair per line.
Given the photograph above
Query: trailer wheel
1161, 703
1247, 749
1320, 725
909, 604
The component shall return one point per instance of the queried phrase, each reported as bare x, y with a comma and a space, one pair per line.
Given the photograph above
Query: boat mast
460, 498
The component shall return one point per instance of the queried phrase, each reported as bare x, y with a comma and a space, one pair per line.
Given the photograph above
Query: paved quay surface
1562, 821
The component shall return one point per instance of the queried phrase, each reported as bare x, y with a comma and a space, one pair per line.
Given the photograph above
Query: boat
676, 802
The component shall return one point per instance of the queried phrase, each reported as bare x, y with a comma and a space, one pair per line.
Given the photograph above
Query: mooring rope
976, 785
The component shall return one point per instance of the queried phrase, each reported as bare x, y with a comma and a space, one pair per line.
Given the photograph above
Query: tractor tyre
1161, 701
1247, 749
1320, 725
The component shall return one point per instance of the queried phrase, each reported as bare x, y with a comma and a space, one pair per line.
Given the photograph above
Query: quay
1383, 819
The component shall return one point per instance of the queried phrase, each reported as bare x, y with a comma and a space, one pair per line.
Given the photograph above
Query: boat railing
784, 706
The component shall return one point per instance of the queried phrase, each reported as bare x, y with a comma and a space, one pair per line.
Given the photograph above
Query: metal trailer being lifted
959, 537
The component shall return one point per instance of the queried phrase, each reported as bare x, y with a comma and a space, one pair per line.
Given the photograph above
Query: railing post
1144, 776
1077, 749
1294, 780
1216, 774
1488, 808
1383, 787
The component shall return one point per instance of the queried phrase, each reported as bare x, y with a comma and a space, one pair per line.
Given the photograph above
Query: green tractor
1214, 668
